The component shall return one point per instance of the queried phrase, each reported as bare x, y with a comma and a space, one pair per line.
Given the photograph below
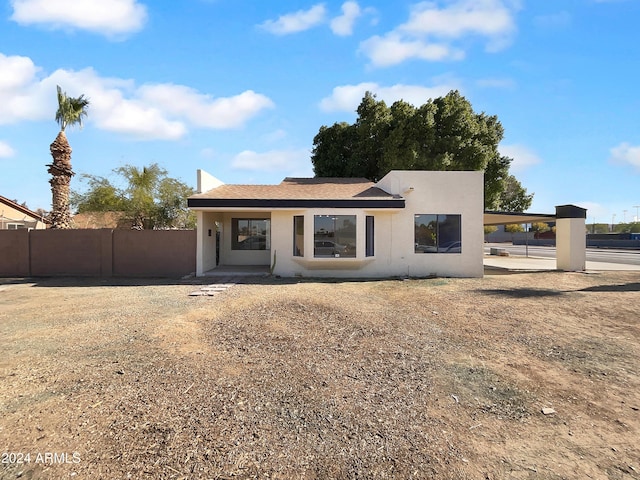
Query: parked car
452, 247
425, 248
328, 248
254, 242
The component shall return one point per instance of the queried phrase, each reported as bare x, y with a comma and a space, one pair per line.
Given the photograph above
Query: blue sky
240, 87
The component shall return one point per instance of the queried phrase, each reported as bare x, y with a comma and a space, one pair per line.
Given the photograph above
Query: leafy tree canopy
633, 227
540, 227
514, 228
149, 198
443, 134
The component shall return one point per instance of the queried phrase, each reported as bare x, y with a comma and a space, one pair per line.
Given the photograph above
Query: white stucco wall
453, 193
459, 193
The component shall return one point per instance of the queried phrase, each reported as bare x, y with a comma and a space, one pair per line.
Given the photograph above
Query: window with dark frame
438, 233
250, 234
369, 242
334, 236
298, 236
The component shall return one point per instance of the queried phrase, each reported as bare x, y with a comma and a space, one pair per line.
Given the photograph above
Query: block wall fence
97, 253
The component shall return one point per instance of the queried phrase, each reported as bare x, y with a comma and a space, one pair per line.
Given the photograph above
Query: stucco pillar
200, 244
571, 238
206, 242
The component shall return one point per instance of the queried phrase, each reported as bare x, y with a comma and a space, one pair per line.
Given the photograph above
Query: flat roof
507, 218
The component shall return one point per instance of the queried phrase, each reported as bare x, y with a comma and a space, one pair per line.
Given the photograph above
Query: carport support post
571, 238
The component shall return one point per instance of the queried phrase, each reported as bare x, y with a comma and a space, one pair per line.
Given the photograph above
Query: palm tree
142, 189
70, 112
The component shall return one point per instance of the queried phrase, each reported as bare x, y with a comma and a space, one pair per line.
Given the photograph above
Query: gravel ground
433, 378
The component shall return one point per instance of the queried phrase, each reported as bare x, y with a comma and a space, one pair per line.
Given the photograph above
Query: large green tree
443, 134
70, 112
149, 198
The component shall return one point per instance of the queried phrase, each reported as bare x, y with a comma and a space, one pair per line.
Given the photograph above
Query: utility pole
613, 221
637, 216
624, 216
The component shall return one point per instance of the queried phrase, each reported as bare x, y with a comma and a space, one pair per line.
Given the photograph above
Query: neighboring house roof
22, 209
100, 220
300, 192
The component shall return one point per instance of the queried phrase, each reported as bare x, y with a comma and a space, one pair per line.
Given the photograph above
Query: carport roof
506, 218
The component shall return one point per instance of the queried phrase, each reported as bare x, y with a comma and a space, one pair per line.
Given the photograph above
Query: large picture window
438, 233
250, 234
334, 236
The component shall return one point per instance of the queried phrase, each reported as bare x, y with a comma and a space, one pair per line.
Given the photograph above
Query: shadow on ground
624, 287
523, 292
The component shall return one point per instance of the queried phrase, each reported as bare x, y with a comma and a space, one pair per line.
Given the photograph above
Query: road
627, 257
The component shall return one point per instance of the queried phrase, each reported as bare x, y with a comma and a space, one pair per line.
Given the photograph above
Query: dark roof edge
293, 203
519, 214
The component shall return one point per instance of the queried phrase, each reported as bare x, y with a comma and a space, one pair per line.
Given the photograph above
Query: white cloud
203, 110
113, 18
19, 93
16, 71
297, 21
481, 17
626, 154
348, 97
523, 157
162, 111
274, 160
5, 150
393, 49
430, 32
343, 25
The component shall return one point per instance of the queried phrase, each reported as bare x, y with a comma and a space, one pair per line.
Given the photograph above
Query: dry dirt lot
432, 378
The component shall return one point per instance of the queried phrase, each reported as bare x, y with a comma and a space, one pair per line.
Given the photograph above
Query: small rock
548, 411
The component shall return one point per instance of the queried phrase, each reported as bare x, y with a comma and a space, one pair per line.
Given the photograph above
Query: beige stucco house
410, 223
14, 216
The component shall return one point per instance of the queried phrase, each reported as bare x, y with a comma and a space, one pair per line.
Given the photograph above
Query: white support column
206, 242
571, 238
199, 244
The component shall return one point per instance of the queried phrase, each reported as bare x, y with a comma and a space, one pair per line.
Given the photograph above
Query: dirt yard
437, 378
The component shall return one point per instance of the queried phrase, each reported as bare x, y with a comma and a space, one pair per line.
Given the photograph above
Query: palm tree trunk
61, 174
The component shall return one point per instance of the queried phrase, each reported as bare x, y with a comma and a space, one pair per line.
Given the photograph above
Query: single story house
14, 216
410, 223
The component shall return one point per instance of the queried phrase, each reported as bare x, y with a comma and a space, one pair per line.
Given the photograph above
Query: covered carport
571, 253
